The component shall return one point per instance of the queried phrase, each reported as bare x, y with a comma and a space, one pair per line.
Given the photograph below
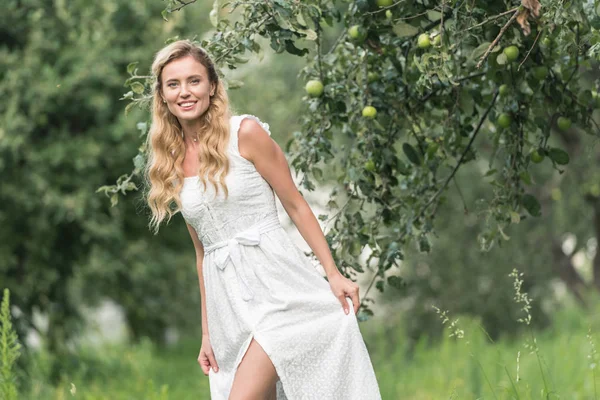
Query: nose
184, 91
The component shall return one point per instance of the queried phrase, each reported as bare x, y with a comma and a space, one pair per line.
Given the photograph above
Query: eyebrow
189, 77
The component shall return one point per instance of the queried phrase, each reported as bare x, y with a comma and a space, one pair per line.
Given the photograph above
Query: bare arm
256, 145
199, 259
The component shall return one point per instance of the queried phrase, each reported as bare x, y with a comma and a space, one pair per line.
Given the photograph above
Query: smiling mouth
186, 105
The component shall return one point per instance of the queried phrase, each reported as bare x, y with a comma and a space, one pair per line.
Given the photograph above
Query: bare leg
255, 377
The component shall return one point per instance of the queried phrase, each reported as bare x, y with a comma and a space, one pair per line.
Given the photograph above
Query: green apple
384, 3
511, 53
314, 88
504, 120
423, 41
563, 123
389, 14
546, 41
357, 33
369, 112
370, 165
503, 89
540, 73
372, 77
536, 156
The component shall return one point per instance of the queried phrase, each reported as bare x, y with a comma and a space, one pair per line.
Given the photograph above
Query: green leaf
559, 156
490, 172
411, 154
515, 218
434, 15
402, 29
318, 174
525, 177
479, 50
402, 167
131, 67
532, 205
424, 245
142, 127
128, 107
138, 162
291, 48
501, 59
234, 84
467, 104
396, 281
137, 87
310, 34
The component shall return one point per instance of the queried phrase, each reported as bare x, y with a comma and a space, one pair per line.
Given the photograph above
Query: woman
272, 326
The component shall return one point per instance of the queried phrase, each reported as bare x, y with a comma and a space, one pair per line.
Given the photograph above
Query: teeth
186, 104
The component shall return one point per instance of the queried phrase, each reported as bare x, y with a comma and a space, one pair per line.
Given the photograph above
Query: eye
195, 80
171, 84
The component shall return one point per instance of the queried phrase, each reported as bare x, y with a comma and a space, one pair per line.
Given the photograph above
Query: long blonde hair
166, 149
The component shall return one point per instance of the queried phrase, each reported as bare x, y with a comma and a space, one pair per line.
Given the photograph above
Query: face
186, 88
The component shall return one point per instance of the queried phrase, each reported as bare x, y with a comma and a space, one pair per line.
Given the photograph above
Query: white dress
260, 285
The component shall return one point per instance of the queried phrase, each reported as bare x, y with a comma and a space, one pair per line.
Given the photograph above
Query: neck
190, 130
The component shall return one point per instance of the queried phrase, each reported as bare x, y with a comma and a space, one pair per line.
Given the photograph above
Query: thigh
255, 377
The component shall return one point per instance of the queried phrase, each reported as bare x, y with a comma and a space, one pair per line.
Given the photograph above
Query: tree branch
444, 185
495, 17
491, 46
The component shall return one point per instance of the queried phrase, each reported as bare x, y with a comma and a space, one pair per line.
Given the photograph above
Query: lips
187, 105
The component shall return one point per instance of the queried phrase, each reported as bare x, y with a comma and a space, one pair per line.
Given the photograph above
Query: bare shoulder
253, 139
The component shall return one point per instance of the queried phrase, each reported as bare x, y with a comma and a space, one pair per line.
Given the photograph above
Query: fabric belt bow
230, 250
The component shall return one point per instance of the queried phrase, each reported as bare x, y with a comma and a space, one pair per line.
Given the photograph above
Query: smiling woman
187, 96
272, 326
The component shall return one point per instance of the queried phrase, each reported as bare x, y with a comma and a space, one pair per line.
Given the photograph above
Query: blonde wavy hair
163, 173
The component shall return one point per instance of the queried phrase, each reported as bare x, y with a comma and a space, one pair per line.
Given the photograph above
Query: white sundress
260, 285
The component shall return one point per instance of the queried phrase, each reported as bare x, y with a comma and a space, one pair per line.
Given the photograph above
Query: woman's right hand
206, 358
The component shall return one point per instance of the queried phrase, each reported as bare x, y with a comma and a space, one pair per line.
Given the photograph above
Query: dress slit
279, 384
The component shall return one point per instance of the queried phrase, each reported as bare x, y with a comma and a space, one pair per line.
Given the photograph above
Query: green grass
452, 369
558, 362
475, 368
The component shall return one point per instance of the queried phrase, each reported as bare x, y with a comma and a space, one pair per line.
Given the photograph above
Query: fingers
207, 361
355, 300
213, 362
342, 299
353, 294
204, 363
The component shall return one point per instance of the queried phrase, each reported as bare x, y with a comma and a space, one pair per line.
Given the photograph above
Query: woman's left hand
343, 287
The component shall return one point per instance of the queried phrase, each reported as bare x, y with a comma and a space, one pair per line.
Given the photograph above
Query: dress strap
236, 122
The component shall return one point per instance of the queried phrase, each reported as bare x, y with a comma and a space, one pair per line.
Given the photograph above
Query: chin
191, 117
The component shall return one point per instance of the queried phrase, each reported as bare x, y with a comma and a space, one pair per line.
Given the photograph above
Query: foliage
63, 133
9, 351
432, 103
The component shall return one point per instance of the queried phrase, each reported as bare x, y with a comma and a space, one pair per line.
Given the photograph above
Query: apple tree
402, 95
